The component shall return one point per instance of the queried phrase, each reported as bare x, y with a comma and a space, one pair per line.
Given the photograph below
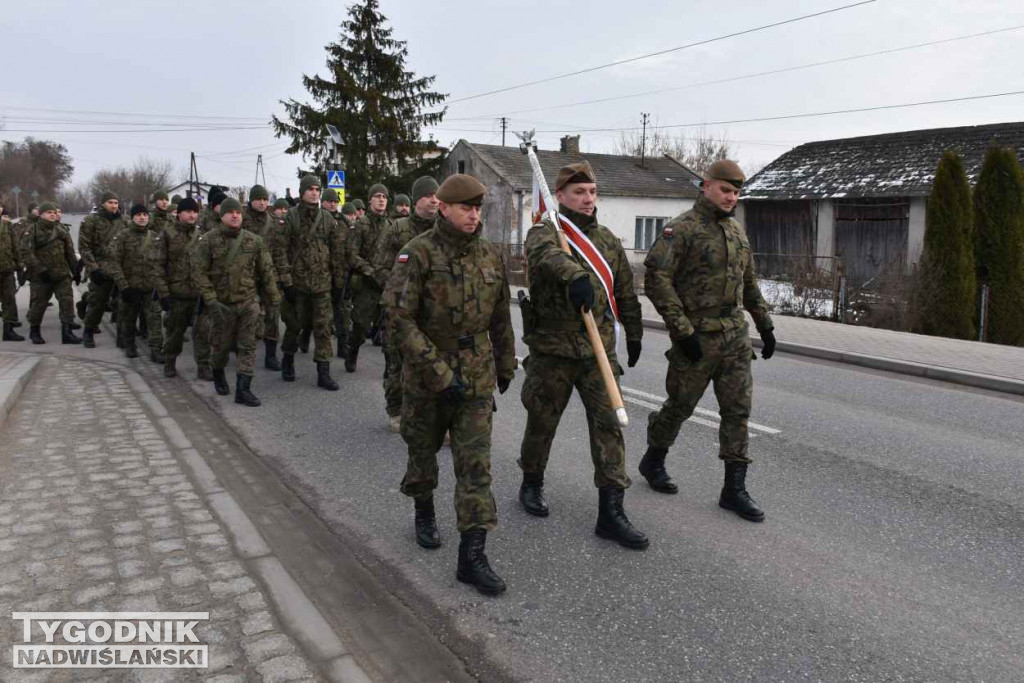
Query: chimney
570, 144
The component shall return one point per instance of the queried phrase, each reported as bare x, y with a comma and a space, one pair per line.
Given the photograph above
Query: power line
678, 48
758, 74
149, 130
118, 113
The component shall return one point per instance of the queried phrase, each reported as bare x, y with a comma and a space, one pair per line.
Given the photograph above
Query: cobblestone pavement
98, 514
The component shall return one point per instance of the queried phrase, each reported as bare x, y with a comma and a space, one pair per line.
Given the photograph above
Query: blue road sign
336, 180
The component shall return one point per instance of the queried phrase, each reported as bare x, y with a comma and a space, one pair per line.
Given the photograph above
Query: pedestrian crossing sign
336, 180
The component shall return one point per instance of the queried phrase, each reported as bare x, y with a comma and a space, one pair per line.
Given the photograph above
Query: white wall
620, 213
915, 229
826, 243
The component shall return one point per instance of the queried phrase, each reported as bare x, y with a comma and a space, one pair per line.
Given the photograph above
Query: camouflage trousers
365, 311
392, 373
8, 288
726, 365
269, 326
177, 320
342, 318
310, 312
204, 338
39, 296
154, 322
236, 329
425, 419
97, 297
546, 391
127, 313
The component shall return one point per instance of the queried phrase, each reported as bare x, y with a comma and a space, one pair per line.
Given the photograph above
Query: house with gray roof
634, 200
860, 199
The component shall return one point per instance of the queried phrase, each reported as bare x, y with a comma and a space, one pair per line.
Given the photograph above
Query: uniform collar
456, 238
580, 220
705, 208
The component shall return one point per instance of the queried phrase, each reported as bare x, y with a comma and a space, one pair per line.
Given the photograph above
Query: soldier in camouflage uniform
11, 274
309, 257
365, 290
699, 273
210, 218
95, 237
401, 208
130, 268
360, 208
257, 220
343, 302
390, 242
160, 217
449, 302
172, 279
562, 358
232, 269
48, 256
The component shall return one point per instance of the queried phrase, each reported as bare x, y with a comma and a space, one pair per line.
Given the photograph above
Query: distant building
634, 201
862, 199
200, 191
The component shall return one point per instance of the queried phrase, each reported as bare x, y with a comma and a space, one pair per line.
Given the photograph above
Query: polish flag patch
402, 258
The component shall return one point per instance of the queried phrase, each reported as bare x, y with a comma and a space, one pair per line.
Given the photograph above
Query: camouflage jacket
208, 220
700, 270
129, 265
170, 261
9, 257
96, 237
229, 274
262, 224
391, 241
363, 244
47, 247
557, 327
158, 220
310, 251
448, 301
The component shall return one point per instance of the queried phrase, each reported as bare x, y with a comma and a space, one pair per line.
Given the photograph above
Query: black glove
165, 303
691, 348
768, 339
22, 277
503, 385
581, 293
290, 293
44, 276
128, 295
633, 352
98, 277
455, 393
77, 278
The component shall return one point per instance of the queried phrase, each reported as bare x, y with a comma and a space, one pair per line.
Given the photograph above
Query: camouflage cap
107, 196
377, 188
139, 208
258, 192
176, 199
160, 194
48, 206
575, 173
307, 182
188, 204
423, 186
229, 204
727, 170
32, 206
348, 209
402, 200
358, 203
282, 203
330, 196
462, 189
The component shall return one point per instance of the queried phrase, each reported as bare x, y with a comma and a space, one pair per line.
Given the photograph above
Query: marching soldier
309, 257
343, 302
210, 220
11, 276
130, 269
360, 208
172, 279
257, 220
449, 301
562, 358
391, 241
159, 218
95, 239
365, 290
232, 268
402, 207
49, 258
699, 273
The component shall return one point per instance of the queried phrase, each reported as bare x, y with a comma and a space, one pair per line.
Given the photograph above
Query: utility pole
260, 170
504, 127
644, 118
193, 177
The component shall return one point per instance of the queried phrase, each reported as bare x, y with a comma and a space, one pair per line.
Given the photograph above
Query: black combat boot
68, 336
270, 362
10, 334
342, 346
75, 326
612, 522
129, 349
169, 369
531, 494
155, 355
473, 566
734, 493
81, 308
220, 382
87, 339
288, 367
426, 524
119, 342
353, 356
204, 372
323, 376
304, 340
243, 393
34, 335
142, 328
652, 467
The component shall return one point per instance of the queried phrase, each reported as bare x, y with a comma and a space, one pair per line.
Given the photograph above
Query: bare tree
696, 151
135, 184
75, 199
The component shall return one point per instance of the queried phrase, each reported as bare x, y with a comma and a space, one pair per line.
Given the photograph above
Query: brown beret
575, 173
728, 171
461, 189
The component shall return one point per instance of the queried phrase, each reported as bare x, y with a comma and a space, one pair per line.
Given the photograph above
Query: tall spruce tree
947, 284
375, 102
999, 243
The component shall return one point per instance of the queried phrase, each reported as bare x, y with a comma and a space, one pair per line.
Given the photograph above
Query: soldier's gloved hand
98, 277
503, 384
581, 293
77, 278
291, 294
44, 276
128, 295
455, 393
165, 303
22, 277
632, 351
768, 339
691, 348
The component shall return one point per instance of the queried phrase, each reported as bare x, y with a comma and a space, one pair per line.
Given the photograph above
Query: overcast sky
228, 62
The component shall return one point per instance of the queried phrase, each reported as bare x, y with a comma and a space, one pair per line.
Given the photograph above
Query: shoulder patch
668, 231
403, 257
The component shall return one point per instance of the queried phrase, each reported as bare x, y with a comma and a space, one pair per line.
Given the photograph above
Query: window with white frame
647, 230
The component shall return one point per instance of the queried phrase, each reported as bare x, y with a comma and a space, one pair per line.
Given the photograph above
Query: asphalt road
892, 549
